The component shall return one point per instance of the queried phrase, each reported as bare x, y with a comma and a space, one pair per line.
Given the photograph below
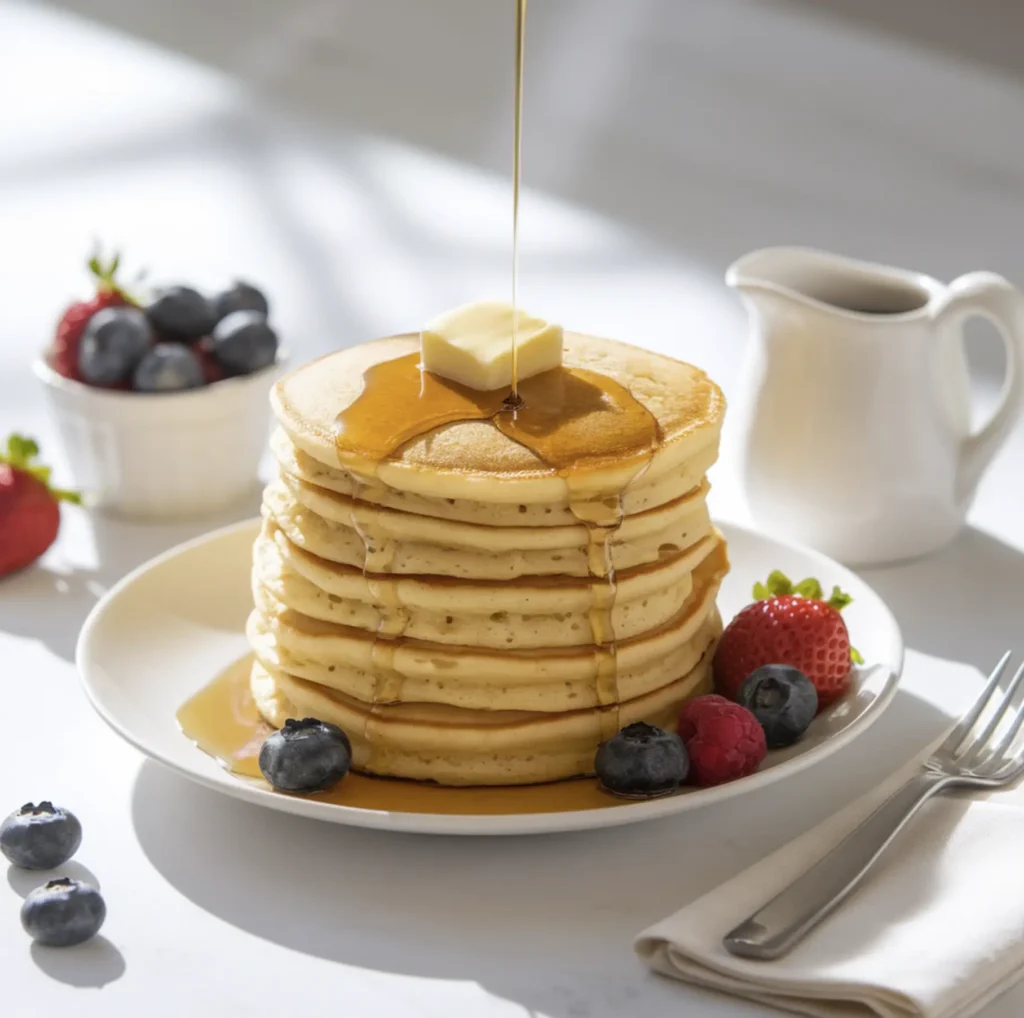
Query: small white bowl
163, 456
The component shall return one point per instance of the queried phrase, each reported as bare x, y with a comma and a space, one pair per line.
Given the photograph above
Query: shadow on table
50, 604
962, 603
536, 920
94, 963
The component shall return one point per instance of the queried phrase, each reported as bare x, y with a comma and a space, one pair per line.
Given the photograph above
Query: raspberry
724, 740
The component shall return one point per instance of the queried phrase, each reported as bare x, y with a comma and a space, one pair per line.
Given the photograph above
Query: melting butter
473, 345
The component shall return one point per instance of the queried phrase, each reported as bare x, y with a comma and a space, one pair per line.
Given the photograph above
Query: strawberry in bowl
162, 401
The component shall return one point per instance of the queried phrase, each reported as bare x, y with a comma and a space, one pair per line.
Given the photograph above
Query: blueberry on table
240, 297
114, 341
305, 756
783, 700
182, 314
169, 367
40, 837
63, 913
642, 761
243, 342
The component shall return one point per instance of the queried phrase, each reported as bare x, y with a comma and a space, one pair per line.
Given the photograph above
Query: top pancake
473, 459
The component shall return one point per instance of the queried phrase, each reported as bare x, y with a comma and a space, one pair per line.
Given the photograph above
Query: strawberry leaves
779, 584
20, 453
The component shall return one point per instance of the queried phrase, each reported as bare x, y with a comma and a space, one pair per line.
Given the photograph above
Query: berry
724, 740
213, 370
783, 700
240, 297
40, 837
29, 506
182, 314
642, 761
244, 342
64, 354
63, 913
792, 625
114, 341
305, 756
168, 367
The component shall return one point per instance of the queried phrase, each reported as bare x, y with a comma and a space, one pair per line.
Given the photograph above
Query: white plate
172, 625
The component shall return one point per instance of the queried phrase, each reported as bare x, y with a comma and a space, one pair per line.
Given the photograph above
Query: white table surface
220, 908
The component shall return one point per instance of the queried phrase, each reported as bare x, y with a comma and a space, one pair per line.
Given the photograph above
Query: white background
662, 140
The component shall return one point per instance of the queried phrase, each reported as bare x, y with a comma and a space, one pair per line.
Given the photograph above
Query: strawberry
788, 625
64, 355
29, 507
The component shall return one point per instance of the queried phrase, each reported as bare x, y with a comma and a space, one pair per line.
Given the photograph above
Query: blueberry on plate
642, 761
168, 367
243, 342
240, 297
305, 756
63, 913
182, 314
783, 700
40, 837
114, 341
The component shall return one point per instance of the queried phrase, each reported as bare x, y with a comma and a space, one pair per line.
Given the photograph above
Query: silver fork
967, 758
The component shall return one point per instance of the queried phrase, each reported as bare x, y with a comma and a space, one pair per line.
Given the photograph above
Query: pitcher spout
831, 282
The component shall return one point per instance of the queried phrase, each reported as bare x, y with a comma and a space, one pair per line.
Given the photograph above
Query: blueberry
63, 913
240, 297
168, 367
181, 313
40, 837
305, 756
243, 342
782, 699
642, 761
114, 341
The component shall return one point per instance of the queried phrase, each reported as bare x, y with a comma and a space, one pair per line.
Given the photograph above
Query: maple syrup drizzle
574, 420
222, 720
517, 152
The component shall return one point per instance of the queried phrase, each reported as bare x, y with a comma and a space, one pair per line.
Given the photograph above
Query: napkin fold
935, 931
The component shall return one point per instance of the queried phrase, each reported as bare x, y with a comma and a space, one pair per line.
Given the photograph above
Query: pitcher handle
989, 296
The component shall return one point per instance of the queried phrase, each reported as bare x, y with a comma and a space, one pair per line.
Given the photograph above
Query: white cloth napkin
935, 931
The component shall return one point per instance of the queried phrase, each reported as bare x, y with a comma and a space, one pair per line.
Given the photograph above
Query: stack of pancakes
440, 610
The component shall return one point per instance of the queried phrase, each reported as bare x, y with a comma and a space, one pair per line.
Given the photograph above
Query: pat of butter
472, 345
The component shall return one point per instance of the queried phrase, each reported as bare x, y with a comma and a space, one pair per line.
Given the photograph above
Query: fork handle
781, 924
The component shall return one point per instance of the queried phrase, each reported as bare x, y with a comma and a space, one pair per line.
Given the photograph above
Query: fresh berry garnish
63, 913
792, 625
113, 343
213, 370
724, 740
244, 342
168, 367
642, 761
240, 297
64, 354
181, 314
40, 837
29, 506
305, 756
783, 700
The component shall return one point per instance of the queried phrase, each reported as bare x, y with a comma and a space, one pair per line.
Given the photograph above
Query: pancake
520, 615
474, 460
294, 463
468, 612
451, 746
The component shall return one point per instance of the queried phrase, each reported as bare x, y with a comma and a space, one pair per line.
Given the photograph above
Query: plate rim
479, 824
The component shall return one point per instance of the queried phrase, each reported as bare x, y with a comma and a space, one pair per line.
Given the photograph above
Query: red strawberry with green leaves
64, 355
29, 506
788, 624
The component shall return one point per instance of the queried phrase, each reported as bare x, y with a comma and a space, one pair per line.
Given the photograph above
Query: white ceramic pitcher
856, 406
